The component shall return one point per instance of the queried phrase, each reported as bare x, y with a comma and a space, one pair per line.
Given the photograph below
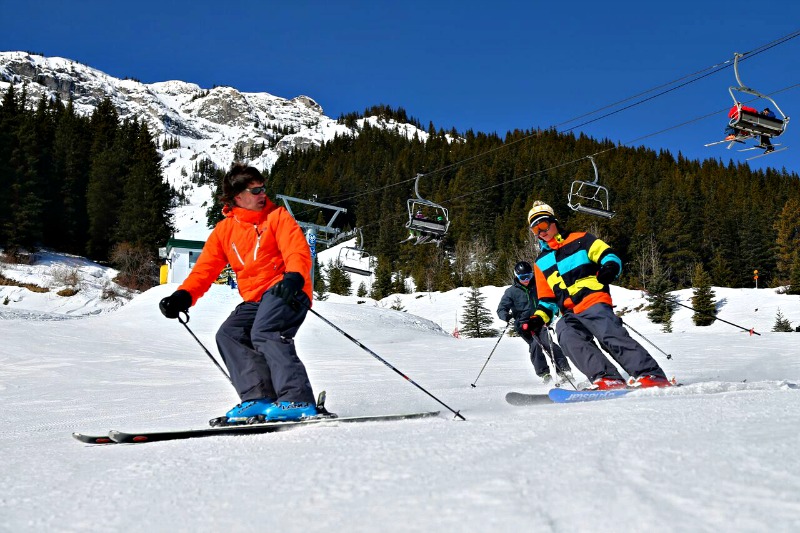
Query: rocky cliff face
208, 123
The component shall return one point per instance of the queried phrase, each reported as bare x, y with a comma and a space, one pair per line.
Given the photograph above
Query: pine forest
85, 185
80, 185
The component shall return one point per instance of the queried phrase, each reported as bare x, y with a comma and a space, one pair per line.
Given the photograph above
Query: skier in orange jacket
268, 252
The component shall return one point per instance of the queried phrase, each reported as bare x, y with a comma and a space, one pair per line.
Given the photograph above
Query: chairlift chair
429, 229
755, 124
355, 260
589, 196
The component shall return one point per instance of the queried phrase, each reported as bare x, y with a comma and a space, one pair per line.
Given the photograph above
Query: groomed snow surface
721, 453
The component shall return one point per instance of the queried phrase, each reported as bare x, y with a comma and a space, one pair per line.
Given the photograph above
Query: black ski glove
608, 273
178, 302
288, 287
533, 325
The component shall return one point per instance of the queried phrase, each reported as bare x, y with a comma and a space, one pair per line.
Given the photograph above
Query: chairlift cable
582, 158
595, 154
719, 66
706, 72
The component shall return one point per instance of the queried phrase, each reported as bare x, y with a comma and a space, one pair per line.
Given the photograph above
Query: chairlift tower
315, 233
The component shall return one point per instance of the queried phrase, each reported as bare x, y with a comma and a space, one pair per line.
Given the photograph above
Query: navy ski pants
257, 344
575, 332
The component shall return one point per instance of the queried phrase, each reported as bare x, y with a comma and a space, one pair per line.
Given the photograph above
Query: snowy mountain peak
209, 124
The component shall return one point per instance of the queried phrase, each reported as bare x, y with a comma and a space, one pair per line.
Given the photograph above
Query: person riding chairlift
733, 114
765, 142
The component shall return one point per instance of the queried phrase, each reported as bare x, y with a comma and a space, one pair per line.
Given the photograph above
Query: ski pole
184, 322
749, 330
550, 356
378, 357
669, 356
490, 355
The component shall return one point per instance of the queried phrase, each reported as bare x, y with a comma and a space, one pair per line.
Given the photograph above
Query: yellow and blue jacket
566, 274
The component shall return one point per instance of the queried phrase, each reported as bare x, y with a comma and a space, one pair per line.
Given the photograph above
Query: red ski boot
647, 381
605, 383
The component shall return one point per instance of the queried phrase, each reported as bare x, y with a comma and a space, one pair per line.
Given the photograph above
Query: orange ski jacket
260, 246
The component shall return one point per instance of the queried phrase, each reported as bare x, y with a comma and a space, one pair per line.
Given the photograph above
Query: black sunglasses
257, 190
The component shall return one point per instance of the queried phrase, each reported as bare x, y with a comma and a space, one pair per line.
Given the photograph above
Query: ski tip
126, 438
92, 439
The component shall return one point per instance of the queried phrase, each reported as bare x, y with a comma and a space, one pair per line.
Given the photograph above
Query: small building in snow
181, 255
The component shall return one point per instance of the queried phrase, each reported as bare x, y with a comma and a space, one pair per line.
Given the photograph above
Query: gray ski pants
575, 332
257, 344
539, 358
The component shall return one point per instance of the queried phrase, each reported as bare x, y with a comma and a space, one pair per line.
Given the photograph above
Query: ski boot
242, 413
647, 381
284, 411
604, 383
293, 411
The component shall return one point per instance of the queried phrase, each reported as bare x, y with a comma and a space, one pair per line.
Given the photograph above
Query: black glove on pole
533, 325
287, 288
178, 302
608, 273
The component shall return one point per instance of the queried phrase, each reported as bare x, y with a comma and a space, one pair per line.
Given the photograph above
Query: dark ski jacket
520, 300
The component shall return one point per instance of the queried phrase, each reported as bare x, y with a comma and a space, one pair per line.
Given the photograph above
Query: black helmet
523, 269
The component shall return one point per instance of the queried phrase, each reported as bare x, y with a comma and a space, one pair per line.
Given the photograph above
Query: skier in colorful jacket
573, 272
519, 302
267, 250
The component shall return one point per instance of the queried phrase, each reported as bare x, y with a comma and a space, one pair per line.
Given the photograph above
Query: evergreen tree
661, 304
666, 327
71, 166
144, 211
721, 274
28, 199
10, 117
320, 286
399, 283
46, 117
107, 171
397, 304
383, 280
339, 281
207, 173
760, 252
794, 279
782, 324
476, 318
362, 290
703, 298
787, 227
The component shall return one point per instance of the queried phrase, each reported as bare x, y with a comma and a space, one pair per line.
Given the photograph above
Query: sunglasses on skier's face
255, 191
525, 277
544, 225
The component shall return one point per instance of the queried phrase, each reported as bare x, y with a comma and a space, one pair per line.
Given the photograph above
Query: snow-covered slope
719, 454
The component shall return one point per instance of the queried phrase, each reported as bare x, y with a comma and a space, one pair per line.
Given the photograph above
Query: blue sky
465, 64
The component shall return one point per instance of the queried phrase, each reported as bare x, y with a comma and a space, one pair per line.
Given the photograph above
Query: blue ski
574, 396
